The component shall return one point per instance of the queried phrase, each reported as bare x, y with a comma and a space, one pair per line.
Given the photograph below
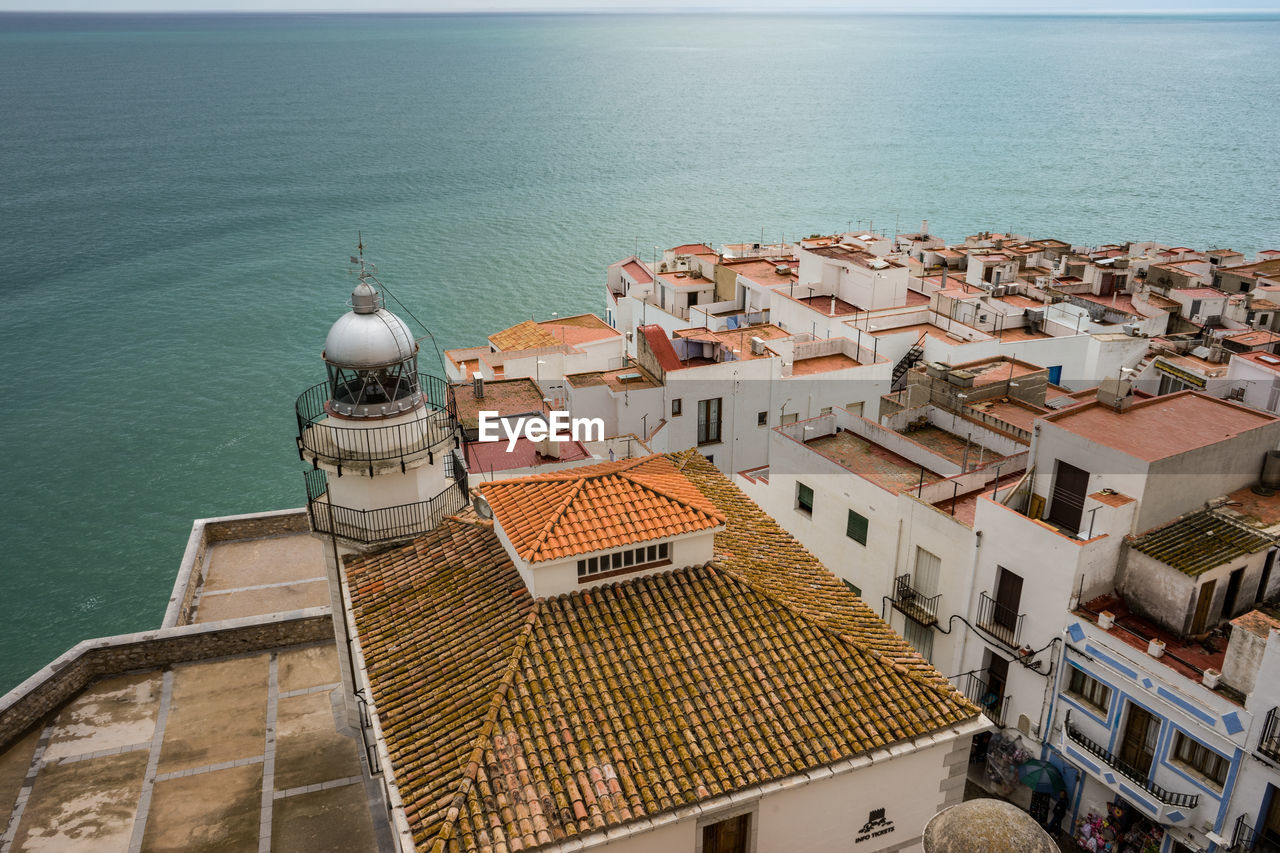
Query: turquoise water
179, 197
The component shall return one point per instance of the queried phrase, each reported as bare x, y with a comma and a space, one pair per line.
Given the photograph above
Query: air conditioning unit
757, 346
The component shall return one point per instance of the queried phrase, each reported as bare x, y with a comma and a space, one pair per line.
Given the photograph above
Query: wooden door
1270, 829
1202, 607
1233, 592
1070, 484
1138, 744
1008, 598
727, 836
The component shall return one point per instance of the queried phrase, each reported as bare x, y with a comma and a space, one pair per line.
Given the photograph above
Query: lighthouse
381, 438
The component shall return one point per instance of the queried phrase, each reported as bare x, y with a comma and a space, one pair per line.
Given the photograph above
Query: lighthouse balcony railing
324, 438
385, 524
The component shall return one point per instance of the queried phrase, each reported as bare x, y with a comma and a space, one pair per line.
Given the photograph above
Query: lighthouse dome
369, 335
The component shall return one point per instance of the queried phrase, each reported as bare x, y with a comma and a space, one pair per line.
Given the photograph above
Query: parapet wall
206, 531
64, 678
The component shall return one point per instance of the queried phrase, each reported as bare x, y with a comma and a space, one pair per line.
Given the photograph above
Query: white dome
365, 340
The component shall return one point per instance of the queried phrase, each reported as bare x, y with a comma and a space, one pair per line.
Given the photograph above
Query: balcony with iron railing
1169, 798
1269, 739
326, 440
915, 605
1247, 839
1000, 621
382, 524
984, 694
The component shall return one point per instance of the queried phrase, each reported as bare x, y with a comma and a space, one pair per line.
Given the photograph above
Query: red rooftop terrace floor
1188, 658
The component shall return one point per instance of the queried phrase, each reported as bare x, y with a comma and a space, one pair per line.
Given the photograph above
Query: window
709, 421
1089, 690
645, 557
928, 570
1196, 756
1171, 384
677, 407
762, 419
919, 636
853, 589
732, 835
804, 499
856, 528
826, 410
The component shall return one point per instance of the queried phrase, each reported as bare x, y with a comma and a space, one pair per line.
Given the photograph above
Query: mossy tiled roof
580, 510
514, 723
1201, 541
521, 336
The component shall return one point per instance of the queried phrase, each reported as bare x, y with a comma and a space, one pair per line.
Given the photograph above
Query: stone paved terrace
256, 577
246, 752
241, 753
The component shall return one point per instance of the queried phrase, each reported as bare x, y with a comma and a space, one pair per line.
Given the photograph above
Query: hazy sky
978, 6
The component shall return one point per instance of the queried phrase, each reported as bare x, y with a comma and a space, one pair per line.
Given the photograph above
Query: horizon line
683, 10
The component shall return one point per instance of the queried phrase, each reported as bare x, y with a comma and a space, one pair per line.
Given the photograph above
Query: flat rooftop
630, 378
1188, 658
1162, 426
258, 577
822, 364
737, 340
963, 506
505, 396
240, 753
871, 461
948, 445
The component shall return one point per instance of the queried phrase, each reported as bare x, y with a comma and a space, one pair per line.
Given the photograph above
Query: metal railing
980, 693
385, 524
1187, 801
908, 600
1246, 839
1269, 740
323, 438
1003, 623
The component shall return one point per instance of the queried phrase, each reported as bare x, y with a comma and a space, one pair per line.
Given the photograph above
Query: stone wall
92, 660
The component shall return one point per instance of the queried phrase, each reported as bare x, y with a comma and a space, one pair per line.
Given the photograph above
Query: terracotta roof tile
579, 510
513, 723
526, 335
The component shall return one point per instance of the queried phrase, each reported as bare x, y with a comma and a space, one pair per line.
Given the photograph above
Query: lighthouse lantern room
382, 439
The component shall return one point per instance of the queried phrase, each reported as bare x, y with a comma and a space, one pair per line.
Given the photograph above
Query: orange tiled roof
557, 515
513, 723
526, 335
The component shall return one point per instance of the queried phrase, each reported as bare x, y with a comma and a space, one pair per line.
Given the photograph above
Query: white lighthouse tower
381, 437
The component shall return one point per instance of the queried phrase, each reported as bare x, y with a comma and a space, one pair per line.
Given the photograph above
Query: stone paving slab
14, 764
297, 595
308, 749
334, 819
110, 715
260, 561
218, 713
298, 669
207, 811
83, 805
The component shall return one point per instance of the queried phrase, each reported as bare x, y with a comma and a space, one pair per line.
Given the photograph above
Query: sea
180, 197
